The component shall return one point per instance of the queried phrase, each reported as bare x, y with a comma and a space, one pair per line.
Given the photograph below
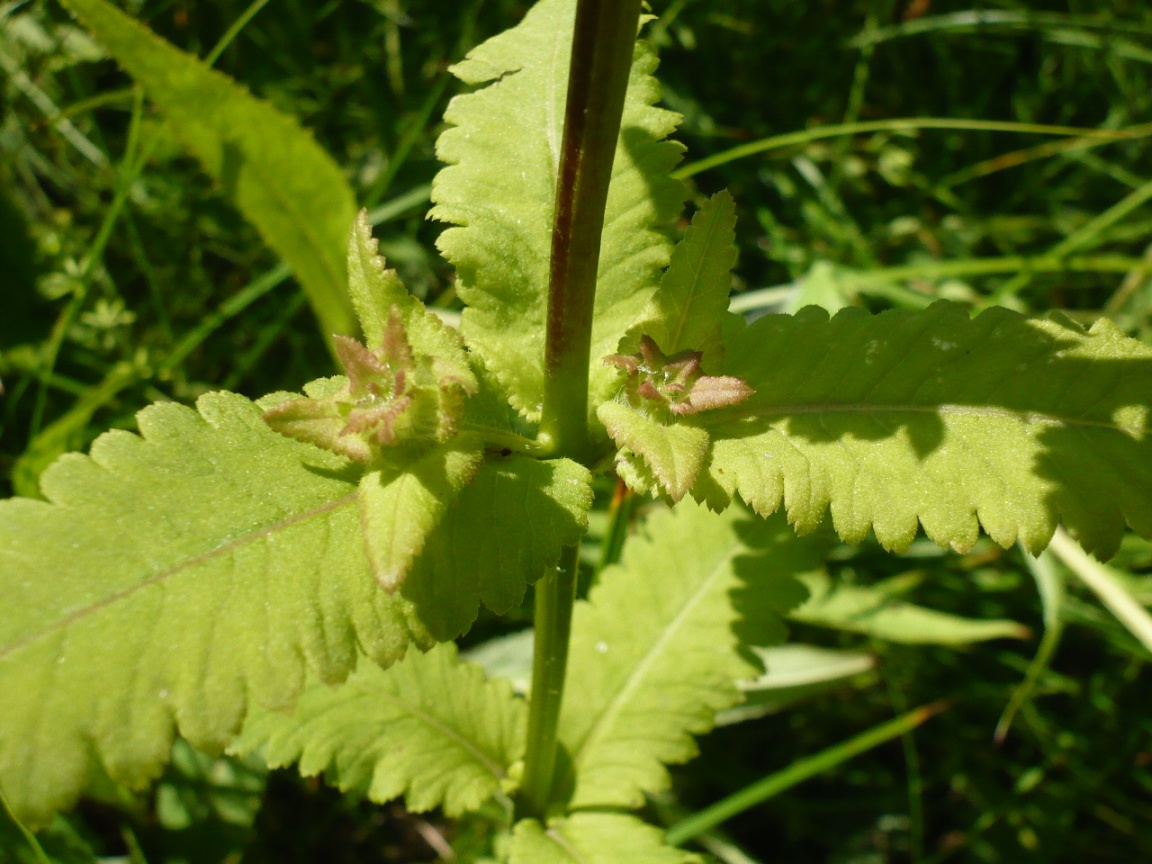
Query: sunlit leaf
593, 838
656, 649
171, 579
506, 529
499, 189
430, 728
930, 419
692, 302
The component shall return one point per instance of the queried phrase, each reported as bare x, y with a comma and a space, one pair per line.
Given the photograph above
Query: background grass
125, 277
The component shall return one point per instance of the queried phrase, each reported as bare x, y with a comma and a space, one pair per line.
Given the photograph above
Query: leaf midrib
616, 705
694, 292
175, 570
734, 417
494, 768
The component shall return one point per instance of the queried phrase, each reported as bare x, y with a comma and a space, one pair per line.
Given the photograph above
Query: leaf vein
601, 726
175, 570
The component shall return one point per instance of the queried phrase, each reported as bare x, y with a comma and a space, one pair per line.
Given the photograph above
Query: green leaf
673, 453
400, 508
507, 527
797, 672
687, 311
656, 649
172, 579
508, 656
499, 189
430, 728
375, 290
277, 175
935, 419
593, 838
871, 610
68, 431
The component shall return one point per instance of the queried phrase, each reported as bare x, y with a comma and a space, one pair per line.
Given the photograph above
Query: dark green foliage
180, 292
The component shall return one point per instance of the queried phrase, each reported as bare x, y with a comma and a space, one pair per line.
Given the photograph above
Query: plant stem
603, 40
555, 595
620, 516
604, 37
1106, 585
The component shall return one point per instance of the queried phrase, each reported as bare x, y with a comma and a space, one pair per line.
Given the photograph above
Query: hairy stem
605, 35
602, 44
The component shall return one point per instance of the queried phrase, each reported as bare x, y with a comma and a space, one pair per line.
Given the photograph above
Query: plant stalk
603, 40
555, 596
1103, 582
620, 517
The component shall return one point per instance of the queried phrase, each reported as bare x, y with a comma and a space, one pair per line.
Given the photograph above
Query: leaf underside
593, 838
374, 290
174, 578
430, 728
508, 526
933, 419
283, 182
398, 510
656, 648
672, 454
169, 580
687, 312
502, 152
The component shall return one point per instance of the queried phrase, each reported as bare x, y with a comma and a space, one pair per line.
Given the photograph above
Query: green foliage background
127, 280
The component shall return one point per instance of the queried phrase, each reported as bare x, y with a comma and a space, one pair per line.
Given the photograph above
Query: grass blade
804, 769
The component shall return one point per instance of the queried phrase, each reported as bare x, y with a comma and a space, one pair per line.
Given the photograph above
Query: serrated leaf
656, 649
686, 313
375, 290
277, 175
69, 431
872, 611
934, 419
593, 838
430, 728
400, 509
508, 526
499, 189
673, 452
171, 579
637, 476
